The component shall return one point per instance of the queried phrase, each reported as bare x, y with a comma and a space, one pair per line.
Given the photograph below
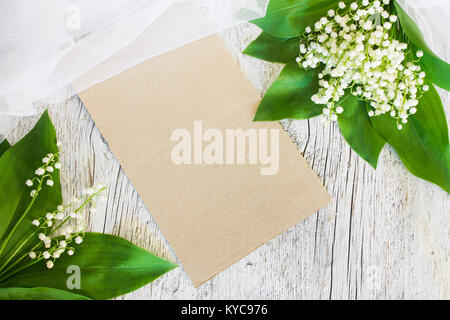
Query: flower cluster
64, 227
358, 55
50, 163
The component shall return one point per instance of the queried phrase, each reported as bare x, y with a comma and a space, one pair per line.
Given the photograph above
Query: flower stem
18, 260
21, 218
17, 250
4, 276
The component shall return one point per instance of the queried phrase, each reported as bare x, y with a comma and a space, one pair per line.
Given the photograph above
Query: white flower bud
49, 264
32, 255
29, 183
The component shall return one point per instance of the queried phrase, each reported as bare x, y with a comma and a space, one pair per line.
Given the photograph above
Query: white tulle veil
49, 47
433, 19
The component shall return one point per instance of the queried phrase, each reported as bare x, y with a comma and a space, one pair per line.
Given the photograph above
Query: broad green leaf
38, 294
423, 143
16, 166
289, 18
411, 29
4, 145
290, 95
269, 48
109, 267
437, 71
358, 131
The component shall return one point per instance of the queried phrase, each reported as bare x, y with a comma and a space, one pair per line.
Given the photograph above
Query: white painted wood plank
385, 235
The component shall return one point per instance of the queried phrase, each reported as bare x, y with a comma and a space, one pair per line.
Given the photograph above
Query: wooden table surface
386, 234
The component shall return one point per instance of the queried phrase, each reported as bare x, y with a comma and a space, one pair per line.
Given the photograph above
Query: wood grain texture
386, 235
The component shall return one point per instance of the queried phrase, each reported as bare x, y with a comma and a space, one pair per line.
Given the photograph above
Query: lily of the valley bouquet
366, 65
45, 249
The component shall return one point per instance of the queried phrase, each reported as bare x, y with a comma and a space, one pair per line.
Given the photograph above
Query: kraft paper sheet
211, 214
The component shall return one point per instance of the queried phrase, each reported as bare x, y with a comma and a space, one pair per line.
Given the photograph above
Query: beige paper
211, 214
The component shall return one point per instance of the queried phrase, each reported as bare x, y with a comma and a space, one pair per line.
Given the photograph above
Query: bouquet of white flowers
366, 65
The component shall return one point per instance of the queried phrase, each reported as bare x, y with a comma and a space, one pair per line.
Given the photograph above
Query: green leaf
289, 18
437, 71
269, 48
16, 166
38, 294
4, 146
109, 267
423, 143
411, 29
290, 95
358, 131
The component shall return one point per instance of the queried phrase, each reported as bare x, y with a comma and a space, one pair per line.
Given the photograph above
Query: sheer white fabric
47, 44
433, 20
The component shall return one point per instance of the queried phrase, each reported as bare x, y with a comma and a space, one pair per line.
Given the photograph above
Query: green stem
3, 273
21, 218
20, 259
78, 209
38, 189
18, 249
5, 277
